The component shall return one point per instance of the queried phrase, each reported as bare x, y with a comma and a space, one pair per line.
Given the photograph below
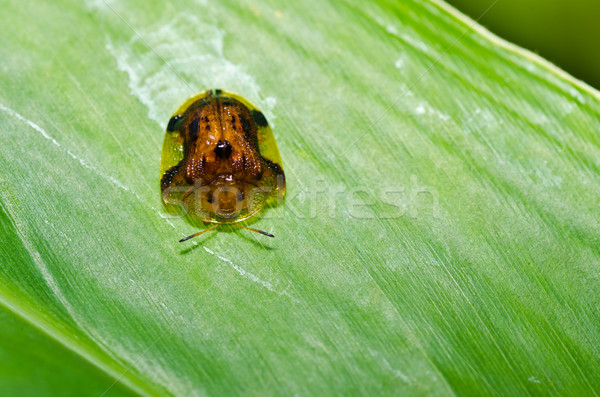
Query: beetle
220, 160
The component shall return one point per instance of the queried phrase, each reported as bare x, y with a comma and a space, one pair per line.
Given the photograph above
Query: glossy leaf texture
439, 234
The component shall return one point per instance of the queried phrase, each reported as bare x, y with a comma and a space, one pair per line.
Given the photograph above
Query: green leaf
439, 235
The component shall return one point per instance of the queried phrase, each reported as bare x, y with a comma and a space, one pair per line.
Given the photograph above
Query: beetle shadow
229, 229
193, 247
197, 225
252, 237
200, 225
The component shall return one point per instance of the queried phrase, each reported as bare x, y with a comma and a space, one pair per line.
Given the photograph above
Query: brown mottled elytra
220, 160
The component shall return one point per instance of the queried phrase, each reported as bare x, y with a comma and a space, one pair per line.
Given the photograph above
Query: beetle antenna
199, 233
253, 230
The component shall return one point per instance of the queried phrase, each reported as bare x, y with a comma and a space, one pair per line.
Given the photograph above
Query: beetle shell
220, 159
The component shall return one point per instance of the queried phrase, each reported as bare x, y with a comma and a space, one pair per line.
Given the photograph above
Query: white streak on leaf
81, 161
252, 277
392, 29
166, 217
396, 372
399, 63
427, 109
62, 234
168, 63
31, 124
